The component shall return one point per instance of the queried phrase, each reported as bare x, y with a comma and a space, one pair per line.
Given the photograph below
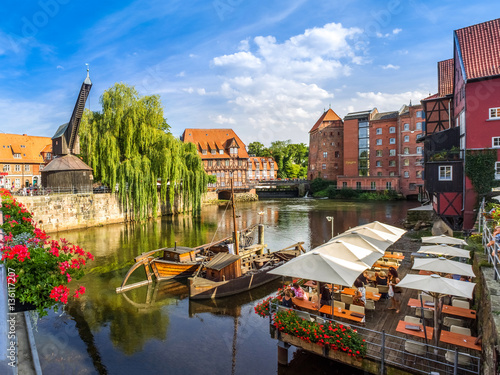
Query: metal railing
399, 352
61, 190
493, 251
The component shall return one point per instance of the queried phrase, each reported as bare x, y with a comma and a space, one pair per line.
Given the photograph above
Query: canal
156, 329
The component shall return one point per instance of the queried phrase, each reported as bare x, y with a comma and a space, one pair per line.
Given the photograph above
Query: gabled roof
479, 49
261, 161
360, 114
386, 115
222, 260
66, 163
445, 77
329, 115
60, 130
217, 139
27, 145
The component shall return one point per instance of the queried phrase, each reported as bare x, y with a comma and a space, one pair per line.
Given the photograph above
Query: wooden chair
415, 348
428, 313
412, 319
449, 321
358, 309
463, 358
320, 320
337, 304
347, 299
397, 253
369, 305
372, 289
460, 303
425, 298
384, 290
461, 330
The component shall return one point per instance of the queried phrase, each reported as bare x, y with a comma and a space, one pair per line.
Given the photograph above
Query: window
27, 167
333, 143
18, 183
372, 185
227, 163
495, 142
392, 163
222, 174
494, 113
419, 174
420, 114
388, 185
419, 126
497, 170
49, 156
17, 168
407, 174
413, 186
419, 150
378, 131
213, 152
406, 162
379, 142
239, 173
407, 138
324, 166
378, 164
344, 184
406, 150
378, 153
392, 141
358, 185
210, 162
222, 183
445, 173
392, 129
325, 154
17, 156
218, 163
204, 152
392, 152
337, 154
240, 163
379, 174
6, 168
406, 127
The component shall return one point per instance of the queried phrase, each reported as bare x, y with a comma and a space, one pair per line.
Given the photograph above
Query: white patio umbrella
322, 267
443, 239
367, 254
374, 233
382, 227
363, 236
438, 287
443, 265
445, 250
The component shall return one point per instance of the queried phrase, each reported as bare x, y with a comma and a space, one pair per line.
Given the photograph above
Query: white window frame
323, 166
17, 168
392, 163
495, 142
378, 131
392, 141
443, 173
420, 114
378, 163
27, 167
419, 150
407, 138
379, 142
406, 151
407, 174
378, 153
406, 127
325, 154
494, 113
392, 152
418, 126
497, 170
392, 129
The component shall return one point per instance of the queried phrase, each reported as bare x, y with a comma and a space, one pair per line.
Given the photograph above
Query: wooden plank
402, 329
459, 340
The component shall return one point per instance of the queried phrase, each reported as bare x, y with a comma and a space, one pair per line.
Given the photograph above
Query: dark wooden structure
66, 172
224, 267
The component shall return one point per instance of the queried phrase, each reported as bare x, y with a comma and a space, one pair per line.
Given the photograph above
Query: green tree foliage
128, 144
480, 168
291, 158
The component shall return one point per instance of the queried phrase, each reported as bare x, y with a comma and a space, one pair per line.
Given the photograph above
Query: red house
464, 115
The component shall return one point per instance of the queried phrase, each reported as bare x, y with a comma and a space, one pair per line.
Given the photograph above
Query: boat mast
235, 228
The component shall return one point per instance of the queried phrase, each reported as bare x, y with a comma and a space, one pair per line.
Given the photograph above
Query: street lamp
331, 219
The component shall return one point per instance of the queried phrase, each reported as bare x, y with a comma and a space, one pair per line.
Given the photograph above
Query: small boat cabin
179, 254
224, 267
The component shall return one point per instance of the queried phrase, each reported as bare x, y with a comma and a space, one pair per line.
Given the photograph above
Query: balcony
454, 154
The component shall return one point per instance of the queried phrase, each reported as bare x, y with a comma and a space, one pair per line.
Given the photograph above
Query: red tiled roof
445, 77
29, 148
217, 139
329, 115
254, 160
434, 96
480, 49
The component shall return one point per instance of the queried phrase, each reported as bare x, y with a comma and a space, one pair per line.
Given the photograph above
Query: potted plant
38, 269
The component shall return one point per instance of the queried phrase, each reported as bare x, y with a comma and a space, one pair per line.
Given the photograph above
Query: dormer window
213, 152
17, 156
221, 152
204, 152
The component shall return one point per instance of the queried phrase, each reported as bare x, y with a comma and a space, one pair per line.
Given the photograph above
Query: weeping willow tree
128, 144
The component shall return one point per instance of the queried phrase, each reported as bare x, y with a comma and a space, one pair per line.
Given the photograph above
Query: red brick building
223, 155
326, 147
261, 169
22, 157
380, 150
464, 115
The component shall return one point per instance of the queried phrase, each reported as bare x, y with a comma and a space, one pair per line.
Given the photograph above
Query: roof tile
28, 146
217, 139
445, 77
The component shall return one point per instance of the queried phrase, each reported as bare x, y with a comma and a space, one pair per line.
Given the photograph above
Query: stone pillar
283, 353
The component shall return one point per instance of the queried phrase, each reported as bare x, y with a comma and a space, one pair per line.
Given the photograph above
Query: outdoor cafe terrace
394, 339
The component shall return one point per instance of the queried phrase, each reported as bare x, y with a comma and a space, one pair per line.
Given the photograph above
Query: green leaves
480, 168
127, 143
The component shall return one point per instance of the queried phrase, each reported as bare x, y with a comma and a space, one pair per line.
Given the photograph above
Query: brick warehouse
379, 151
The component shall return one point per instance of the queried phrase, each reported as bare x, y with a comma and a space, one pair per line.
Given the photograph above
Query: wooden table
425, 273
369, 295
402, 328
379, 265
447, 309
459, 340
346, 314
305, 305
392, 256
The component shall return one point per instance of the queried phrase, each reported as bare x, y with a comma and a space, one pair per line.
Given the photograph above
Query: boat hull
164, 269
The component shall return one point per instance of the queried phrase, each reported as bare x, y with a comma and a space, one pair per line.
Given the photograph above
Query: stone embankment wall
59, 212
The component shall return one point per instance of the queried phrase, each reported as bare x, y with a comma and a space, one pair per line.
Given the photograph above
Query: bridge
270, 189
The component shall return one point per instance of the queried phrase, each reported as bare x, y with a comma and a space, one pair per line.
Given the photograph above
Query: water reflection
156, 329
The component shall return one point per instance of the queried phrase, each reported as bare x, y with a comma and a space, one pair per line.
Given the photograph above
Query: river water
156, 329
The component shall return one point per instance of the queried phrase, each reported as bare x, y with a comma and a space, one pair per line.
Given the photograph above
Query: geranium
262, 309
331, 334
42, 267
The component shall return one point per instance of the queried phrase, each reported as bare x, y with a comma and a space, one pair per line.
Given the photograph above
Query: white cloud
244, 45
390, 66
181, 74
396, 31
388, 102
60, 67
387, 35
201, 91
238, 60
221, 119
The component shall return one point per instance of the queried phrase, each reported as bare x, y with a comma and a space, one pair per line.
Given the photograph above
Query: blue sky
265, 69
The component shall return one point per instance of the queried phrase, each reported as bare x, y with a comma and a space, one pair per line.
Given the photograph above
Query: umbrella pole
318, 291
423, 318
436, 314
